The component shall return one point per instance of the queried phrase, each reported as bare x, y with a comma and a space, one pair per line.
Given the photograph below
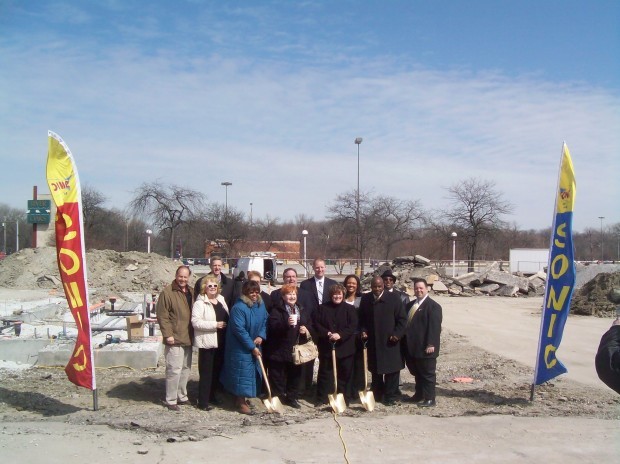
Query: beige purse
305, 352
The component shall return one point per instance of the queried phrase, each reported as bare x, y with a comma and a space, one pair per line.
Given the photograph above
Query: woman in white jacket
209, 319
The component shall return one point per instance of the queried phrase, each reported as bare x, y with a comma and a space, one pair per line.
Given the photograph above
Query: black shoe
215, 401
293, 404
183, 403
426, 404
389, 402
414, 399
205, 408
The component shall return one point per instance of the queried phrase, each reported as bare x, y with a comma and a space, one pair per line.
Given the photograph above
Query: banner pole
95, 402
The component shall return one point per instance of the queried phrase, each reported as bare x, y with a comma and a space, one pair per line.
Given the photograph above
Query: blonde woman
209, 319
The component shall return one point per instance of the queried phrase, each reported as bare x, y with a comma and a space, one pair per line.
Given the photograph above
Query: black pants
325, 378
356, 381
424, 371
209, 367
285, 379
385, 386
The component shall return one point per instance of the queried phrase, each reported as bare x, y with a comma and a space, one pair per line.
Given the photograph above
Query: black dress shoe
414, 399
426, 404
294, 404
389, 402
205, 408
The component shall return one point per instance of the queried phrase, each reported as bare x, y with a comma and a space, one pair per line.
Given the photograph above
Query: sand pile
593, 299
111, 271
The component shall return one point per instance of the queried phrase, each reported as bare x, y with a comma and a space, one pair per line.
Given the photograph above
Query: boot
242, 406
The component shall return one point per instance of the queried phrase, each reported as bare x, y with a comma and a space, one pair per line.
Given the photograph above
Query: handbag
305, 352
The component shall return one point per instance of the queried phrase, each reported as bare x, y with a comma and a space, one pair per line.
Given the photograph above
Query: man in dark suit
382, 320
421, 343
318, 287
226, 284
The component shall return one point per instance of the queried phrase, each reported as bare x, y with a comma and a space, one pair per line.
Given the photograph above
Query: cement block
25, 351
135, 355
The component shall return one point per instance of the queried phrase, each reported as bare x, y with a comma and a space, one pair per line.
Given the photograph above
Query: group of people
232, 329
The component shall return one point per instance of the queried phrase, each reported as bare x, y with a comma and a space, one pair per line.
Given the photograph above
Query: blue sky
270, 96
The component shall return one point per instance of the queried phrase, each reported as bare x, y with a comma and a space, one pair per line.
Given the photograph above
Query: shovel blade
274, 405
368, 400
337, 403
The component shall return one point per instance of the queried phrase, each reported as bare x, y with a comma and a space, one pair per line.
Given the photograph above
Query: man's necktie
412, 311
320, 291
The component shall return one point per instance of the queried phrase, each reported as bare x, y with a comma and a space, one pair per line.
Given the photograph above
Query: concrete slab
21, 350
135, 355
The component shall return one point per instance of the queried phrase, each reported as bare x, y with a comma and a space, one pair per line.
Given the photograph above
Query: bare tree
228, 225
477, 210
383, 221
167, 206
92, 206
397, 221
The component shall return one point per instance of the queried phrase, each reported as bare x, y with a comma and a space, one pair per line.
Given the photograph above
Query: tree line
358, 225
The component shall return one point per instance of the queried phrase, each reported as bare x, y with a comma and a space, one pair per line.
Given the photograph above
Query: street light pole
226, 185
602, 256
360, 263
149, 232
305, 234
251, 214
453, 234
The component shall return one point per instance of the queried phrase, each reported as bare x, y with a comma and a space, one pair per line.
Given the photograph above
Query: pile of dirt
109, 271
595, 297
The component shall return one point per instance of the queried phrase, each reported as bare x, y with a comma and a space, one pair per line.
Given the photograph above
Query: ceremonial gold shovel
272, 404
367, 397
336, 400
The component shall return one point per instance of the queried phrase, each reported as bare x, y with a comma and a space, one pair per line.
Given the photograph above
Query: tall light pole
305, 234
453, 235
148, 232
360, 263
601, 218
251, 213
226, 185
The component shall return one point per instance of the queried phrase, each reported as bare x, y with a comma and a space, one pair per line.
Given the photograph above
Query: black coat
340, 319
281, 336
380, 320
424, 330
607, 360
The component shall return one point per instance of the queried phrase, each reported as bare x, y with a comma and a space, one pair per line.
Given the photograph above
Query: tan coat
204, 323
174, 315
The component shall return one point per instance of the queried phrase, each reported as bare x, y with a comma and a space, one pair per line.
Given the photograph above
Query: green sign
39, 204
34, 218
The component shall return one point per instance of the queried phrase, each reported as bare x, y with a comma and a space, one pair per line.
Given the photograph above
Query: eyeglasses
389, 279
212, 285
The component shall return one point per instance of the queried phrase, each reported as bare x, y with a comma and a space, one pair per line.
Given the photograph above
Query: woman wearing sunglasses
209, 319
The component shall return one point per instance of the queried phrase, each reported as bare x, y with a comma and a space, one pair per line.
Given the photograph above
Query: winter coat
380, 320
227, 287
340, 319
174, 315
281, 336
204, 322
607, 360
241, 374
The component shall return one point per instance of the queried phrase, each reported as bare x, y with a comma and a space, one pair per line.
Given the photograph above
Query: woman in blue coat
247, 328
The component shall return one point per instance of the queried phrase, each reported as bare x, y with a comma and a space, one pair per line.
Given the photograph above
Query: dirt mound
109, 271
593, 298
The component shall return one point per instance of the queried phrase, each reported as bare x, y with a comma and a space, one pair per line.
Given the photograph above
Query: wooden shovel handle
262, 368
335, 369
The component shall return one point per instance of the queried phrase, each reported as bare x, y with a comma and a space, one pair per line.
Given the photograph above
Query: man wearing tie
318, 286
421, 343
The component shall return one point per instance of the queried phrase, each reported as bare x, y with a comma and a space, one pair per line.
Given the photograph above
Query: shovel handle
365, 368
335, 369
262, 368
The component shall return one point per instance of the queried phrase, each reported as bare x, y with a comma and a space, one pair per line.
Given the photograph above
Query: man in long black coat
382, 322
421, 343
